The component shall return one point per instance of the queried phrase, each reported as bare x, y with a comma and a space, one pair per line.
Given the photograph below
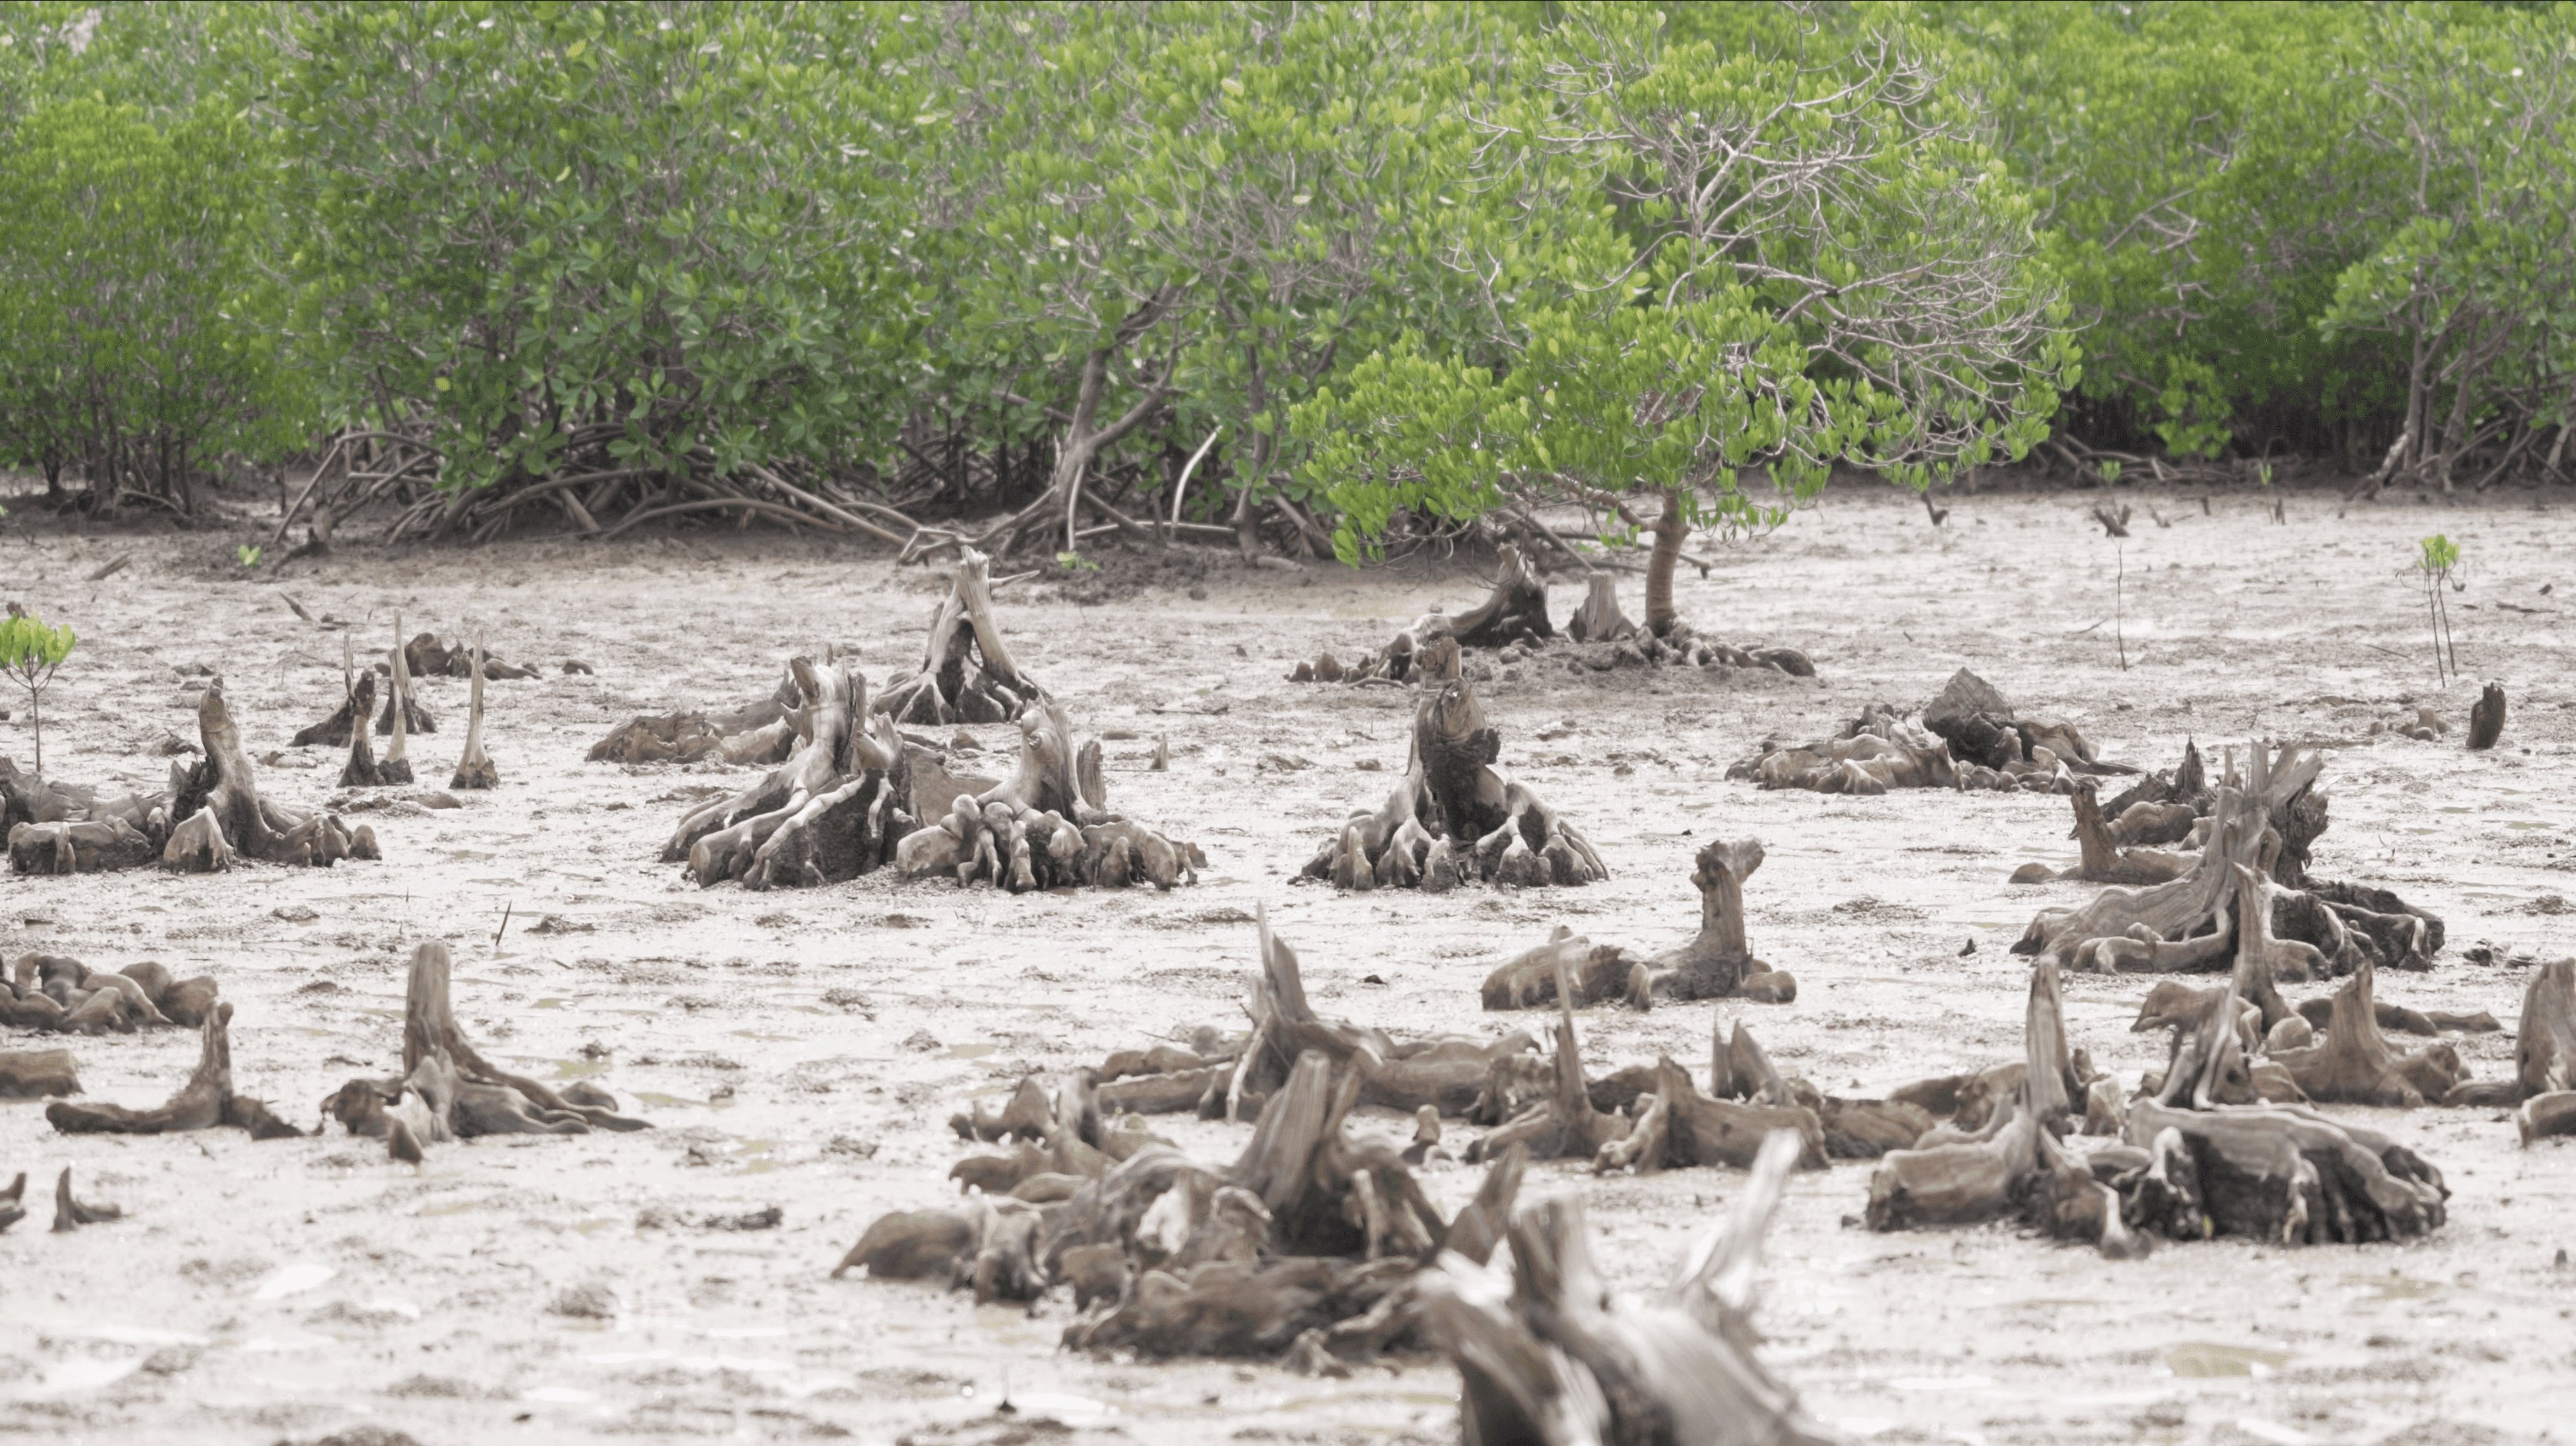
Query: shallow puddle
2202, 1360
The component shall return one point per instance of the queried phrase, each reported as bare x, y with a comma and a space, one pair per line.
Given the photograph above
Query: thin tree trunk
1671, 531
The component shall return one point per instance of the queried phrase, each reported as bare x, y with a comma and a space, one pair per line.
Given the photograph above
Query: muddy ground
805, 1050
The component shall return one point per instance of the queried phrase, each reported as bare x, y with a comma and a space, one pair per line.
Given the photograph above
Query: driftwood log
448, 1091
1458, 815
2185, 920
56, 994
205, 1101
1966, 737
35, 1074
1554, 1360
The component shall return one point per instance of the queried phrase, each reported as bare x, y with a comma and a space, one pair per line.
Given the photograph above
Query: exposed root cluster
1513, 621
1966, 737
1308, 1245
2173, 912
2198, 1154
56, 994
1458, 815
448, 1091
212, 811
852, 797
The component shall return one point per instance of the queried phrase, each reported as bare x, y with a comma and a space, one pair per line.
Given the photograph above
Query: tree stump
60, 995
1457, 815
402, 715
1557, 1363
1514, 612
70, 1213
834, 810
1048, 825
36, 1074
219, 811
966, 673
1717, 963
205, 1101
1599, 620
429, 658
448, 1091
2486, 718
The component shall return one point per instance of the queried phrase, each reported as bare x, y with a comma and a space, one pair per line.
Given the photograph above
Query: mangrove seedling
2438, 558
30, 652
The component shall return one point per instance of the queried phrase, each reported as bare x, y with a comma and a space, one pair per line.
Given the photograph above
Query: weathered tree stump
1717, 963
1528, 979
218, 811
967, 673
448, 1091
2187, 923
1047, 825
1514, 611
1599, 620
1966, 737
205, 1101
2486, 718
402, 715
1457, 815
474, 767
1557, 1363
834, 810
758, 733
1307, 1245
429, 658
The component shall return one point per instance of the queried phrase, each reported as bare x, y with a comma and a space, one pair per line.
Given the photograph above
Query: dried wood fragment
2486, 718
70, 1213
205, 1101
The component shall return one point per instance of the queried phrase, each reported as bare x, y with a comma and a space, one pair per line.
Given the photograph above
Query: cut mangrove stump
966, 673
1966, 737
428, 658
1048, 825
834, 810
1557, 1360
1717, 963
1599, 619
1673, 1125
61, 995
2266, 823
474, 769
759, 733
362, 770
1513, 612
1308, 1245
205, 1101
2544, 1059
1457, 815
2486, 718
60, 828
448, 1091
220, 811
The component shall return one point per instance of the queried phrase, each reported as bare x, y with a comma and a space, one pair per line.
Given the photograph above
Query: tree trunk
1671, 531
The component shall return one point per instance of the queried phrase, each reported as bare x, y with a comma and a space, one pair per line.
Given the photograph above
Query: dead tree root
205, 1101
